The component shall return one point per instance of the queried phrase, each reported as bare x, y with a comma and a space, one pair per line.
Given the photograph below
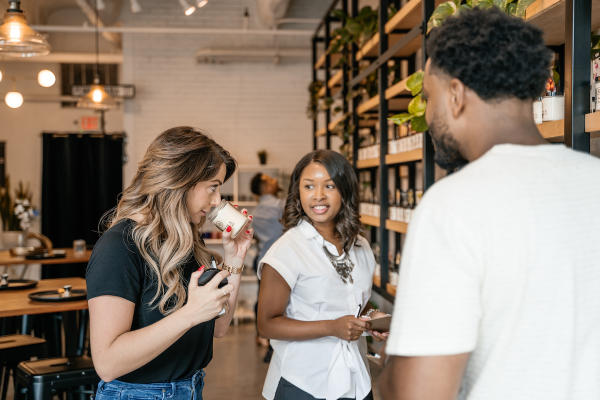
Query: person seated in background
498, 291
267, 225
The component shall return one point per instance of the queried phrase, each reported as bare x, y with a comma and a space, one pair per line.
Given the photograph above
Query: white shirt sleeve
437, 308
279, 259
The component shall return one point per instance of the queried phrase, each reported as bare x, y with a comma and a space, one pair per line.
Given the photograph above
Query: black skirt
287, 391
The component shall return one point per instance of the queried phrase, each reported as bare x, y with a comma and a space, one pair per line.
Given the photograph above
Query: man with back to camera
498, 294
267, 226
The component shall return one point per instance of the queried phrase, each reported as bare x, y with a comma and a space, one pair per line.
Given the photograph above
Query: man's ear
457, 100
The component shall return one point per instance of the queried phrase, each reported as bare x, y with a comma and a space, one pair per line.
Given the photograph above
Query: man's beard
447, 154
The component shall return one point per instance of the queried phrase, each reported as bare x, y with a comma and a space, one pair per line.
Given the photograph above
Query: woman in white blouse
315, 283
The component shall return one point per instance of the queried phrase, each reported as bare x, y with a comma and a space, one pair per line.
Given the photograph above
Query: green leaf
521, 7
417, 106
414, 83
440, 14
501, 4
419, 124
484, 4
464, 7
511, 9
339, 14
400, 119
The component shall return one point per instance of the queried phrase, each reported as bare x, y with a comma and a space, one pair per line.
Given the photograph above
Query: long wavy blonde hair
174, 163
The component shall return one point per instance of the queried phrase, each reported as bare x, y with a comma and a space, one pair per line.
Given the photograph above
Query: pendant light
17, 39
97, 98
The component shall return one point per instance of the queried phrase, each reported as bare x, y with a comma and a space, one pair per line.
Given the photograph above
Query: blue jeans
186, 389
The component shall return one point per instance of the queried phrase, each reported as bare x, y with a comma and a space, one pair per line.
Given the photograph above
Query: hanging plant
516, 8
313, 99
417, 106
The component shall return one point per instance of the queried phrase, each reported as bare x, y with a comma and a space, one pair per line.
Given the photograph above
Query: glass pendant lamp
97, 98
17, 39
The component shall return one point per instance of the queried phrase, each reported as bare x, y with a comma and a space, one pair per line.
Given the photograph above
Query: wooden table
14, 303
70, 258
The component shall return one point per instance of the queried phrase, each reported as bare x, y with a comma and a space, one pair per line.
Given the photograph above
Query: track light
135, 6
201, 3
187, 8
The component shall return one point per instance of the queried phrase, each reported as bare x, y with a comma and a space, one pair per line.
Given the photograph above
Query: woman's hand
378, 336
235, 249
206, 302
348, 327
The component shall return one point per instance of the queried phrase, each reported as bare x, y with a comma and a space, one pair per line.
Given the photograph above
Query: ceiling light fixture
135, 6
201, 3
97, 98
17, 39
13, 99
0, 76
187, 8
46, 78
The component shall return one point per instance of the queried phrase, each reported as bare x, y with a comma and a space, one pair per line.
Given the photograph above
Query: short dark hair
255, 184
495, 55
347, 222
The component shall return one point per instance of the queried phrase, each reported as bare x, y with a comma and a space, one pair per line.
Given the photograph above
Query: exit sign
90, 123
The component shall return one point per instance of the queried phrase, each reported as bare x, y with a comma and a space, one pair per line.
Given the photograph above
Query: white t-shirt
502, 259
327, 367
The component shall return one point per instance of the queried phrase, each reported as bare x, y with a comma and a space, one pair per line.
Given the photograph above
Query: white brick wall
244, 106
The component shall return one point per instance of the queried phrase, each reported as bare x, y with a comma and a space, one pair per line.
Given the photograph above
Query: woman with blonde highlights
151, 325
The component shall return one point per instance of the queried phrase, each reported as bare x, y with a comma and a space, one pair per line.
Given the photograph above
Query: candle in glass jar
225, 215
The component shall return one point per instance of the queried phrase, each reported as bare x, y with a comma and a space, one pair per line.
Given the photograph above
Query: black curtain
82, 177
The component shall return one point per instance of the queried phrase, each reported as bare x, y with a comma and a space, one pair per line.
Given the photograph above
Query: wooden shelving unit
552, 130
404, 39
404, 157
391, 289
592, 122
394, 105
396, 226
333, 60
369, 220
368, 163
377, 281
334, 84
548, 15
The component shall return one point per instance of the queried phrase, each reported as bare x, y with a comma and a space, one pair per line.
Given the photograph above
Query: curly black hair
347, 221
495, 55
255, 184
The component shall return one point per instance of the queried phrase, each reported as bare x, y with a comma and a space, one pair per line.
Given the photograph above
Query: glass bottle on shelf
394, 269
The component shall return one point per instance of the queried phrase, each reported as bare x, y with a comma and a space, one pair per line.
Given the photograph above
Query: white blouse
326, 367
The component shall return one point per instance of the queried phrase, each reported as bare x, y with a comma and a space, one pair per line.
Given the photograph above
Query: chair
13, 350
41, 379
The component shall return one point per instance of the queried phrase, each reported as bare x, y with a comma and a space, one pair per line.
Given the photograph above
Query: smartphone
208, 274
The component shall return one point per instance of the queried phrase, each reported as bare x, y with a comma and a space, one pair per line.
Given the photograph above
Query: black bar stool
41, 379
13, 350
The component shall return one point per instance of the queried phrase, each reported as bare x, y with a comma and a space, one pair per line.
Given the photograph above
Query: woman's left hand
235, 249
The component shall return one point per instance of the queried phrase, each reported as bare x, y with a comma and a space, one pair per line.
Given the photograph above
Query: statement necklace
342, 264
